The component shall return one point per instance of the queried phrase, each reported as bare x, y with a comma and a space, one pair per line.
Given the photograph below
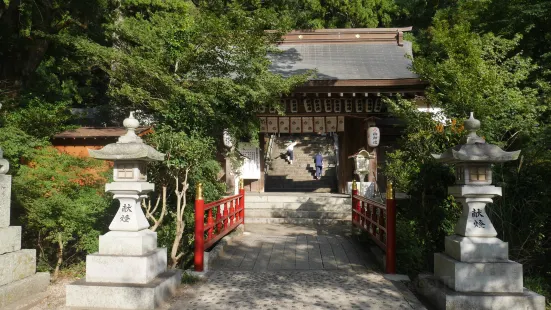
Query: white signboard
251, 164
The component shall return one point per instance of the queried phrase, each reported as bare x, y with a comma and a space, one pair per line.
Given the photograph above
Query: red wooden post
242, 202
219, 219
232, 212
382, 223
364, 207
199, 249
225, 215
210, 222
354, 202
367, 216
373, 220
390, 229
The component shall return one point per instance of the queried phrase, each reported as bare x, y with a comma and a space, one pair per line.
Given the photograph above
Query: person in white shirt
290, 148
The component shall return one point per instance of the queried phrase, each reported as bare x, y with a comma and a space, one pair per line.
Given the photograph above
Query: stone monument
475, 272
20, 284
129, 271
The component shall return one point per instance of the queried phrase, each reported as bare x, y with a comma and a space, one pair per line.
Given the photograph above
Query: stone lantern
361, 168
475, 267
129, 272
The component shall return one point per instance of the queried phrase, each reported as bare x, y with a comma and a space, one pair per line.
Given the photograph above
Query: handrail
268, 153
225, 220
379, 221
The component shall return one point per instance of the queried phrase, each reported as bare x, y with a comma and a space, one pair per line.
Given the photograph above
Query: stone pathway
293, 267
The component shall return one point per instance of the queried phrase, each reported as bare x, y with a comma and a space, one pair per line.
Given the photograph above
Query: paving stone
316, 289
289, 254
293, 268
263, 257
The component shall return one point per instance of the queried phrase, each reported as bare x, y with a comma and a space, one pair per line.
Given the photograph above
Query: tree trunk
59, 256
163, 212
176, 244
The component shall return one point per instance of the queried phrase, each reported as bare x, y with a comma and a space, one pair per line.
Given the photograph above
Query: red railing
223, 216
379, 221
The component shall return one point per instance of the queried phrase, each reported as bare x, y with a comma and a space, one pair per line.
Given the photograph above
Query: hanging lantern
227, 138
373, 136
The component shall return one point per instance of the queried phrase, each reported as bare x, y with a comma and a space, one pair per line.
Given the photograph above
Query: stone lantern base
476, 273
128, 272
443, 297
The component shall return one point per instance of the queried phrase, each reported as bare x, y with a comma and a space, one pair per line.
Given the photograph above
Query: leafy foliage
476, 60
315, 14
63, 200
429, 214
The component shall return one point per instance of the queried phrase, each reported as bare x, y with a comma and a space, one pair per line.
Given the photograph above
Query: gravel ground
56, 296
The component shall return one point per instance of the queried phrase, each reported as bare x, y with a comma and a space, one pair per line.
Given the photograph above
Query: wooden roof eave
359, 86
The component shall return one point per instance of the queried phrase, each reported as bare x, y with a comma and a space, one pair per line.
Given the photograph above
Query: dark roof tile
354, 61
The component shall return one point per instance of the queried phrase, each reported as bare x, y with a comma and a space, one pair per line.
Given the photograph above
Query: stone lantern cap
129, 146
475, 149
362, 153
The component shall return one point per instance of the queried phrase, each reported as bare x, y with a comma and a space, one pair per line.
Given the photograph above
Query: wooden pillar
390, 229
199, 247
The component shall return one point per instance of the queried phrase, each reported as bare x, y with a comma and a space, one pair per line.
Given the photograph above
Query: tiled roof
345, 61
98, 132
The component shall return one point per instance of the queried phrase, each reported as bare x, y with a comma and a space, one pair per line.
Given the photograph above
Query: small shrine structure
129, 271
362, 168
356, 71
475, 272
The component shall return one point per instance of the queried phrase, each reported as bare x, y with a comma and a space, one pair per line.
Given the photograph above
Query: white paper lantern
373, 136
227, 138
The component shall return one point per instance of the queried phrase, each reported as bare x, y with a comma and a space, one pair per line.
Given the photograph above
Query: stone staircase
297, 208
300, 176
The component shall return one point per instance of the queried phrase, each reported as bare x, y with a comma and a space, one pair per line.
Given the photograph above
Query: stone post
20, 284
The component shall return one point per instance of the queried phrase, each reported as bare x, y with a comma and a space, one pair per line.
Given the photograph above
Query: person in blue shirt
318, 161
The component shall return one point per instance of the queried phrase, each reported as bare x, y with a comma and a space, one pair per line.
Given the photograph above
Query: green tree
63, 203
189, 161
315, 14
429, 214
472, 64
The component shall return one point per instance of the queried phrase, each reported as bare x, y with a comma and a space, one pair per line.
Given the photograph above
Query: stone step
299, 183
300, 171
302, 198
298, 176
296, 221
299, 154
301, 179
300, 164
302, 190
296, 206
280, 213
